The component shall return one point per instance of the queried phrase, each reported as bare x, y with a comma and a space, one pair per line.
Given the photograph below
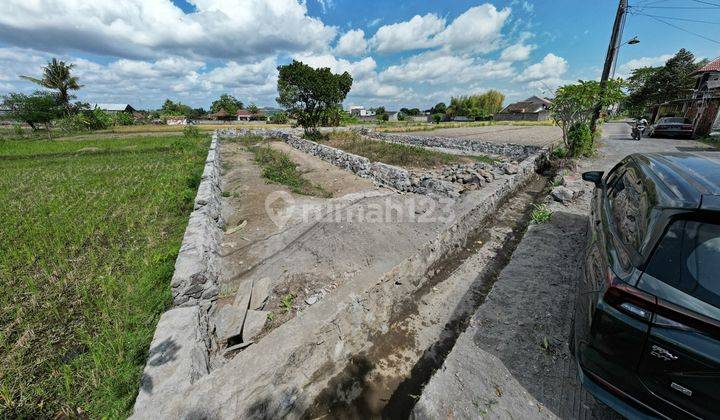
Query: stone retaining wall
510, 150
179, 352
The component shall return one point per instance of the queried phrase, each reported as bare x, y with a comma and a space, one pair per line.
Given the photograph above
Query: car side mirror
593, 176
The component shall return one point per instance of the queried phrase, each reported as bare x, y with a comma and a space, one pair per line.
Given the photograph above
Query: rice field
89, 233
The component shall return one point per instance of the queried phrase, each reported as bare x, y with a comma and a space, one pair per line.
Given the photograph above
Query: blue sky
401, 54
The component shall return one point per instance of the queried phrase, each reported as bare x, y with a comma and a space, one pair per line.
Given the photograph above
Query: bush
580, 140
98, 119
279, 118
123, 118
437, 118
191, 132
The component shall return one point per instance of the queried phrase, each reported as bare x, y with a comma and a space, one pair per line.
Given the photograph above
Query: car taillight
628, 299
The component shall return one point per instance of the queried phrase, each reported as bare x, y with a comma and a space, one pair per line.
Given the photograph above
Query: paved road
533, 135
515, 353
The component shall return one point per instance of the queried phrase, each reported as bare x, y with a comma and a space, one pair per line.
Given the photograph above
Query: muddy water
386, 381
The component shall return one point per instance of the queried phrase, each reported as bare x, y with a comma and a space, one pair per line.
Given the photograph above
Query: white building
360, 111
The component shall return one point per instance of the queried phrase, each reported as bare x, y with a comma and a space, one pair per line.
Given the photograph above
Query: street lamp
632, 41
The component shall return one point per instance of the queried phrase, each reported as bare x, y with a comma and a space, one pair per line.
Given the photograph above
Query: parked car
672, 127
646, 330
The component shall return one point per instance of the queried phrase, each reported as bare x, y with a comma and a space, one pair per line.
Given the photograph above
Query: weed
191, 132
546, 344
397, 154
287, 301
226, 194
270, 317
541, 213
278, 167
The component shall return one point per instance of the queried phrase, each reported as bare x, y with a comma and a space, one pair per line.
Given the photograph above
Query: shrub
18, 130
580, 141
191, 132
437, 118
98, 119
123, 118
279, 118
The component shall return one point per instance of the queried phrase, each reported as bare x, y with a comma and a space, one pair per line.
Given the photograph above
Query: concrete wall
509, 116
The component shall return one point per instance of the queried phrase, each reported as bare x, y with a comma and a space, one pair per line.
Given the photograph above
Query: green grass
398, 154
279, 168
541, 213
89, 233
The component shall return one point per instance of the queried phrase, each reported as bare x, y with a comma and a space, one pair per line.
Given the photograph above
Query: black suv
647, 320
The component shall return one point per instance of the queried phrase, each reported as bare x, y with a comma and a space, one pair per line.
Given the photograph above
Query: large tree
309, 94
56, 75
38, 108
227, 102
651, 86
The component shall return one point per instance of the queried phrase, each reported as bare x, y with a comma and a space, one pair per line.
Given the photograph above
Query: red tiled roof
711, 66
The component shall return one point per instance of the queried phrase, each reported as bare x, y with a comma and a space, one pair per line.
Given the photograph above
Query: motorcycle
638, 131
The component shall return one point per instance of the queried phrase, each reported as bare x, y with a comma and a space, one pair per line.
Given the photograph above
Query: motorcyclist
639, 128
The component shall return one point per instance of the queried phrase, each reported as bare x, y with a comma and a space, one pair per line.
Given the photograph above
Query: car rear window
688, 259
675, 120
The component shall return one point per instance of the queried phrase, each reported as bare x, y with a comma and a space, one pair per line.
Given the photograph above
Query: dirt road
535, 135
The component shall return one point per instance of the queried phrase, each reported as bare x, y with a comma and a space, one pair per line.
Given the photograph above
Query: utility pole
611, 56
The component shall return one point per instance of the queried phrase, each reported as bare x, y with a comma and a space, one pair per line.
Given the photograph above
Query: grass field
397, 154
89, 233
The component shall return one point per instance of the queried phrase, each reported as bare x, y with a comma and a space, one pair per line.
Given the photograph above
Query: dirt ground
530, 135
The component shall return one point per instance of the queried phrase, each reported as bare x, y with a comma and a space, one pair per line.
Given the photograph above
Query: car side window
626, 197
688, 259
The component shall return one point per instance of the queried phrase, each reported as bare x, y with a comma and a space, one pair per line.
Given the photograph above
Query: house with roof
245, 115
703, 109
221, 115
114, 108
533, 108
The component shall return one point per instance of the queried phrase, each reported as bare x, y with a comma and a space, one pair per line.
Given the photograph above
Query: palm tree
56, 75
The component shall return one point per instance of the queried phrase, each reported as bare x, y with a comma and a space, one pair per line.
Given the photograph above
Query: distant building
221, 115
176, 120
418, 118
392, 115
114, 108
360, 111
462, 119
245, 115
704, 107
533, 108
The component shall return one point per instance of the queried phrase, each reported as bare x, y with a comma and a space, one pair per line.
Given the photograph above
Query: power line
677, 18
707, 2
678, 7
680, 28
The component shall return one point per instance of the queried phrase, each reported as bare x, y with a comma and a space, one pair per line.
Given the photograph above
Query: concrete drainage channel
368, 350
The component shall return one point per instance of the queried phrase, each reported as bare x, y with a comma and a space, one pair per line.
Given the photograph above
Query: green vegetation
309, 94
286, 302
573, 108
90, 233
229, 103
476, 106
397, 154
57, 75
650, 86
278, 167
541, 213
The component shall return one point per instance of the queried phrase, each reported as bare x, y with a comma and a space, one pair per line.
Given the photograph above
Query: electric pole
611, 56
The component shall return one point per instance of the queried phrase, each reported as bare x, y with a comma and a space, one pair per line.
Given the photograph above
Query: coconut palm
56, 75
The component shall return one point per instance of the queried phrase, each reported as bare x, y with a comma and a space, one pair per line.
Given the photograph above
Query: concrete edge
179, 351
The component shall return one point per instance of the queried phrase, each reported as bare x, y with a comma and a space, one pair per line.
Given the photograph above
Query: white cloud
626, 68
352, 43
478, 29
144, 29
438, 67
527, 6
551, 66
409, 35
517, 52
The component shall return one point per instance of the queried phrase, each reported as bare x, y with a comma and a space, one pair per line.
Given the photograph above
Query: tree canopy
308, 93
56, 75
476, 106
651, 86
35, 109
227, 102
575, 103
170, 108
